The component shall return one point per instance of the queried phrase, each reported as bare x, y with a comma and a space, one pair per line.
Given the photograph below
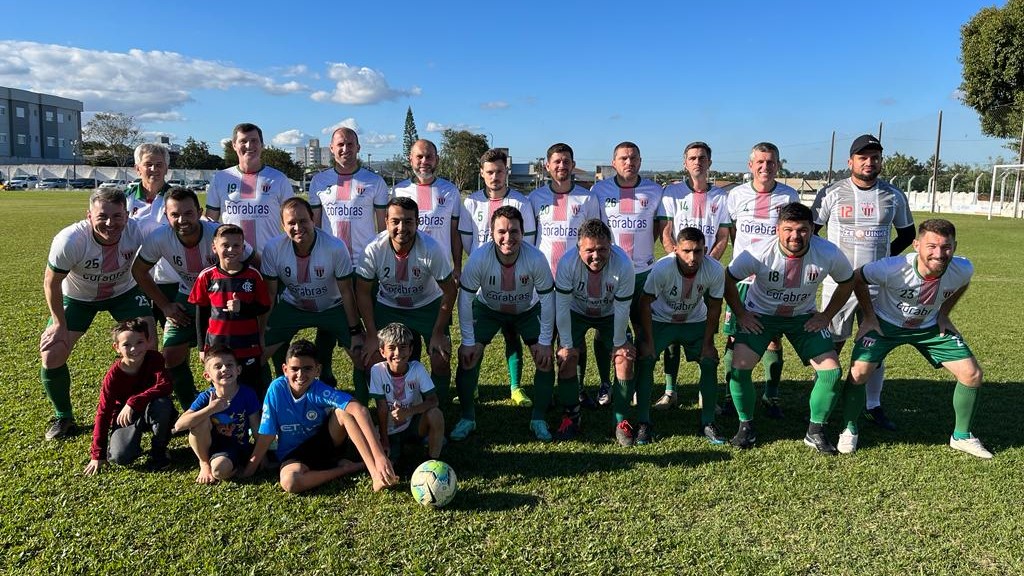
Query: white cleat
847, 442
971, 445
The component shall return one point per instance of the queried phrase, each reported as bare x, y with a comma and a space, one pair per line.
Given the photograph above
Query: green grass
904, 503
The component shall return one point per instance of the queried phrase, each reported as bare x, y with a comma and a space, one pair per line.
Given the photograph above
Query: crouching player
219, 420
406, 403
682, 304
134, 398
311, 421
781, 301
916, 293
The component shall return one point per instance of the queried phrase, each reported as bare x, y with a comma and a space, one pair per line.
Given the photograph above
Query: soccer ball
433, 484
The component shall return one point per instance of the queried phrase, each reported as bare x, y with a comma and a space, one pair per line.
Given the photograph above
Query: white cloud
438, 127
291, 137
375, 140
957, 95
349, 123
359, 85
494, 105
150, 85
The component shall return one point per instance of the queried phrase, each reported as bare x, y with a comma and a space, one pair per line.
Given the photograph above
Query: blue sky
526, 74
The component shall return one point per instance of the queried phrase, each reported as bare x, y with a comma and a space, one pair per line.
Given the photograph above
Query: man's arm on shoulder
904, 238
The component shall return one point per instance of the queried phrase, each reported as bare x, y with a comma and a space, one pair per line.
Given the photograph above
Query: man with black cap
860, 212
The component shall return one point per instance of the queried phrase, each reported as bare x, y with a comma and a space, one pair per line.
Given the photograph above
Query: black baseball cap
865, 142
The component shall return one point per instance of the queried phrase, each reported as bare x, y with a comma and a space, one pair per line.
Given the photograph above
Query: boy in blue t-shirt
219, 420
311, 420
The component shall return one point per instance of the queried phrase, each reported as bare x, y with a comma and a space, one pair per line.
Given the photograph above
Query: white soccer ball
433, 484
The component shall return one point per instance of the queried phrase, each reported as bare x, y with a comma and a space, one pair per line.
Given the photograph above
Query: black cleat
745, 436
586, 401
644, 434
878, 417
819, 442
712, 433
60, 428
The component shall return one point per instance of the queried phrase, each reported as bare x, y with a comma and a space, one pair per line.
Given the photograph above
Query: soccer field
904, 503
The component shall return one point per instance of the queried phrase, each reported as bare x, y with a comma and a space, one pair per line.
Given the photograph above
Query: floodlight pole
831, 157
935, 165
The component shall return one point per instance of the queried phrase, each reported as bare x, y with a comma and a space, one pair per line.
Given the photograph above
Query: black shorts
239, 454
318, 452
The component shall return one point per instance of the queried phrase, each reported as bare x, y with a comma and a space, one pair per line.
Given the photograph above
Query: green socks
671, 367
441, 384
741, 385
772, 363
965, 402
824, 394
708, 389
543, 387
603, 359
853, 404
184, 384
644, 377
514, 359
57, 384
465, 383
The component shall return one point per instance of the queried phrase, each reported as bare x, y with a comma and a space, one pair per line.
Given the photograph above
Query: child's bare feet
205, 475
349, 467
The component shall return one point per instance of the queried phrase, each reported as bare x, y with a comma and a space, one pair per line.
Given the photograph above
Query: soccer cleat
60, 428
711, 432
877, 415
462, 429
745, 436
519, 398
847, 442
604, 394
667, 400
644, 434
970, 445
540, 430
586, 401
819, 442
624, 434
568, 429
772, 408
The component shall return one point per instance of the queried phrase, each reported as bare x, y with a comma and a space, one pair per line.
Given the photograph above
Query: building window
49, 116
50, 141
21, 138
60, 143
19, 112
3, 138
60, 117
3, 110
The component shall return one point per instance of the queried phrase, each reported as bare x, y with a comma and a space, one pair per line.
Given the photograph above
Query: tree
195, 155
460, 156
230, 156
117, 133
992, 54
409, 138
277, 158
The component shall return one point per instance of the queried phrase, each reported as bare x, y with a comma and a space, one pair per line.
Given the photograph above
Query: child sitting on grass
219, 420
135, 398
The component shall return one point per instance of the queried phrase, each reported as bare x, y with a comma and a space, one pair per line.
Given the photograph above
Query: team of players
546, 267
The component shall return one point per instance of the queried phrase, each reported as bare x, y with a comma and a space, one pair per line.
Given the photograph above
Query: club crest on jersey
575, 210
311, 415
265, 187
812, 273
127, 255
416, 272
440, 200
360, 189
947, 293
867, 342
319, 271
524, 279
643, 201
609, 287
247, 286
867, 208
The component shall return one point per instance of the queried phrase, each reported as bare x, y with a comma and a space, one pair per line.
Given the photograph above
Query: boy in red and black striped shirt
232, 303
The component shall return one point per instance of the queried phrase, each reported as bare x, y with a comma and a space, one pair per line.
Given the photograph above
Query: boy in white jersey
506, 283
593, 289
916, 294
781, 301
88, 270
439, 201
415, 287
632, 207
702, 205
249, 194
860, 212
186, 244
475, 229
753, 209
316, 272
682, 304
559, 208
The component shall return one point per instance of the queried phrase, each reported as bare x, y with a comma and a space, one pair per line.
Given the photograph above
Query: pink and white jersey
755, 214
349, 202
187, 262
679, 299
409, 281
403, 391
907, 299
631, 214
311, 282
705, 211
94, 271
477, 208
252, 201
860, 221
786, 285
439, 202
151, 215
559, 217
511, 289
594, 294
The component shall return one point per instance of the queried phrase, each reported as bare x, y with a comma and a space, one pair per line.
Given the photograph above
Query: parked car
198, 185
176, 183
114, 185
84, 183
22, 182
53, 184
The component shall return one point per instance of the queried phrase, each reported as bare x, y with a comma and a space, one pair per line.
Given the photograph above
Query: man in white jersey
416, 287
633, 209
559, 208
88, 270
753, 209
186, 243
915, 295
682, 304
860, 212
249, 194
439, 201
782, 301
506, 285
475, 229
593, 289
315, 269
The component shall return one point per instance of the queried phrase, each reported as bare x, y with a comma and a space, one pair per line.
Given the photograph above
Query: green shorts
420, 320
605, 327
175, 335
488, 322
936, 348
730, 328
689, 336
80, 313
286, 320
808, 345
